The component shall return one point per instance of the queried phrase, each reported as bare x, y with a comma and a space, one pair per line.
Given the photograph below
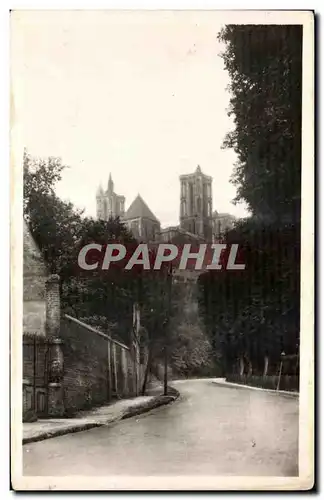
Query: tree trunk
136, 343
147, 371
249, 368
241, 366
266, 365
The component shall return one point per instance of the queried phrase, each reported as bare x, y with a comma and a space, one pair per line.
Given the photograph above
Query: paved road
209, 430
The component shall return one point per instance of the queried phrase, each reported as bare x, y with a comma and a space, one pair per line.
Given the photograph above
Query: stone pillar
55, 406
55, 382
53, 306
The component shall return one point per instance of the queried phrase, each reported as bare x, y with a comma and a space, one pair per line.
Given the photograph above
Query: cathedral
197, 220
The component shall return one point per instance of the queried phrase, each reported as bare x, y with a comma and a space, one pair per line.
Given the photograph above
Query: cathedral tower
196, 204
109, 204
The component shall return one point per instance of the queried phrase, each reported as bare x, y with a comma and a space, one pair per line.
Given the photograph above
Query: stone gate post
55, 404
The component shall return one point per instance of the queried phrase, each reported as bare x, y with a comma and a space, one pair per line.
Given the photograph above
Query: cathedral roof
220, 215
33, 260
139, 209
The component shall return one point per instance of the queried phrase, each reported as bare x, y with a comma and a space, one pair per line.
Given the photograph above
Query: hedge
287, 382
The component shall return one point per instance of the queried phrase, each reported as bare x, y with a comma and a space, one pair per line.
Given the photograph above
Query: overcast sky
139, 94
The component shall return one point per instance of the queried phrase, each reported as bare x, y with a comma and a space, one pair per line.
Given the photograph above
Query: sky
140, 95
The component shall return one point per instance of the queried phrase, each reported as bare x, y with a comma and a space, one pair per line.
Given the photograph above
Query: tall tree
265, 68
103, 297
254, 315
55, 225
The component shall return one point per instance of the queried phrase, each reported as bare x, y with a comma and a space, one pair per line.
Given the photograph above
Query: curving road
210, 430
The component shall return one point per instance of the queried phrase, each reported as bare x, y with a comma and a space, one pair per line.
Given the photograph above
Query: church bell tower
109, 204
196, 204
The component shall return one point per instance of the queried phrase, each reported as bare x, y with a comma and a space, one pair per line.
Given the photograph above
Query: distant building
109, 204
177, 235
222, 222
196, 204
141, 221
198, 222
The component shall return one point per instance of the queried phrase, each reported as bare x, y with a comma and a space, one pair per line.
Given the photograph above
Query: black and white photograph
162, 246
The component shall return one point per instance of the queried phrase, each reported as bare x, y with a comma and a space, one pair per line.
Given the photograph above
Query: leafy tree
40, 176
253, 315
55, 225
265, 67
103, 298
60, 230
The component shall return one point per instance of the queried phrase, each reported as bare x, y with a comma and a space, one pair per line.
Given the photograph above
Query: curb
61, 432
131, 412
159, 401
273, 391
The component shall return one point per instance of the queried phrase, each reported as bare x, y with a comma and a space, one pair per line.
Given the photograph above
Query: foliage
60, 230
103, 299
265, 68
54, 224
253, 314
191, 350
287, 382
103, 296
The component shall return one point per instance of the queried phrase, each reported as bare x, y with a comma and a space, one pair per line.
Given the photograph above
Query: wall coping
94, 330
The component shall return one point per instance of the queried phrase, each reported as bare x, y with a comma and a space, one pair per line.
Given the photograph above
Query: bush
191, 353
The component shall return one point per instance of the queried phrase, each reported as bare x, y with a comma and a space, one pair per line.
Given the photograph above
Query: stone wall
34, 349
96, 368
67, 365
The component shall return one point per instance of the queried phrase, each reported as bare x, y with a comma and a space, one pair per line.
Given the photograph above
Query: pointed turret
110, 185
198, 169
